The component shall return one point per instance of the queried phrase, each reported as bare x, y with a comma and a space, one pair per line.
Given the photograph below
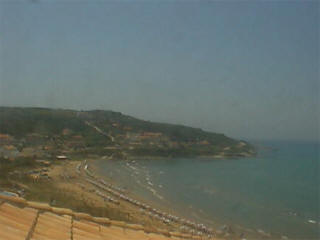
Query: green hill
107, 132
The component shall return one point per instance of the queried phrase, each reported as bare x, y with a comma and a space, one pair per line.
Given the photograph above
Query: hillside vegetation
57, 131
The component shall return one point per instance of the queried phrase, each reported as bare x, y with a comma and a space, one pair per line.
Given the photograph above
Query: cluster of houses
32, 145
68, 142
38, 174
7, 148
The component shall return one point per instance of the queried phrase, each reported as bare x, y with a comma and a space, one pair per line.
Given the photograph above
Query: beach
219, 194
273, 195
78, 178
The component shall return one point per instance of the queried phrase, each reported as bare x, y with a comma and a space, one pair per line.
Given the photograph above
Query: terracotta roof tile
32, 223
53, 227
16, 222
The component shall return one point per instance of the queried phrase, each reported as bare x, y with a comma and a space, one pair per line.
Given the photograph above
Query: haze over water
276, 192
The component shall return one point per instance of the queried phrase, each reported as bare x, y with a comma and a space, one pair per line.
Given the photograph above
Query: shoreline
80, 180
66, 186
161, 206
227, 230
171, 220
69, 177
222, 230
213, 157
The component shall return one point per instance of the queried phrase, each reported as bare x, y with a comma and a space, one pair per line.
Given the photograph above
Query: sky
248, 69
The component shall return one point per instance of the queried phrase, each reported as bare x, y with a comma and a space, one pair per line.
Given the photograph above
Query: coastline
225, 229
70, 180
214, 157
157, 212
131, 193
84, 184
65, 176
219, 229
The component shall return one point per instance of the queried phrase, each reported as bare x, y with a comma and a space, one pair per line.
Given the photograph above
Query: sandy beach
104, 198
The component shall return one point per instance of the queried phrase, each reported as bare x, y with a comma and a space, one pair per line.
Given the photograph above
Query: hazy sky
246, 69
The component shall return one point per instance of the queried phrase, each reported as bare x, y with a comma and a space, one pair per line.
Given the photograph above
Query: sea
275, 194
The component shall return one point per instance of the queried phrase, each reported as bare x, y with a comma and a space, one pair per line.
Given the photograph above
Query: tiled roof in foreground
25, 220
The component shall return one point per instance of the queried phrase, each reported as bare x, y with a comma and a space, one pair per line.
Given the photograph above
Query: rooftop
26, 220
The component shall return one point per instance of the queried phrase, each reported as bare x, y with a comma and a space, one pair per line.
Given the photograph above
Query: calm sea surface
276, 192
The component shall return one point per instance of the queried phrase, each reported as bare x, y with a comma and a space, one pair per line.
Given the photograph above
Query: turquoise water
276, 192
